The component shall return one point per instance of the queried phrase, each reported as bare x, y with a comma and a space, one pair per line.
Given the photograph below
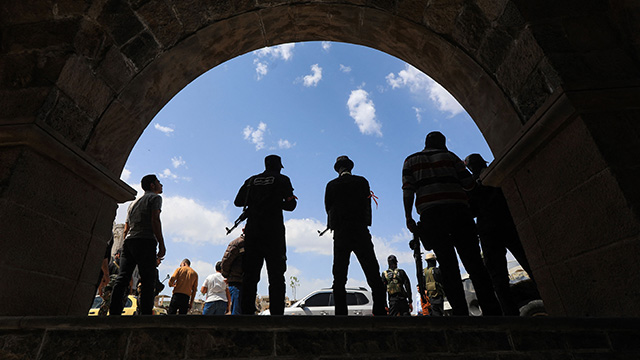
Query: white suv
320, 302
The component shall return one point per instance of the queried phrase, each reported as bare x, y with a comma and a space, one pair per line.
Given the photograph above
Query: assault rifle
417, 255
238, 221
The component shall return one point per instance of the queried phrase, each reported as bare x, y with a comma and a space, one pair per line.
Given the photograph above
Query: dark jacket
232, 261
490, 207
266, 195
347, 201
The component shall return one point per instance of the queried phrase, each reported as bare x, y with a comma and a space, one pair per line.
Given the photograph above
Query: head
475, 163
151, 183
435, 140
343, 163
185, 262
393, 261
431, 259
273, 163
219, 266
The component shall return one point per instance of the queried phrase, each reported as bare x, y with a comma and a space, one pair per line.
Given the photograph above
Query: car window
352, 299
321, 299
96, 302
361, 299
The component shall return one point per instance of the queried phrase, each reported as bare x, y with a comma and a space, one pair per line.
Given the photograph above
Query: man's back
348, 202
265, 195
185, 280
437, 177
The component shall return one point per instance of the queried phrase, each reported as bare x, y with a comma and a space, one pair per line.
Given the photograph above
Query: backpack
394, 286
433, 287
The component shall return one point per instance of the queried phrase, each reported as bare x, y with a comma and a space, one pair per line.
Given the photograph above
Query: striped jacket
436, 177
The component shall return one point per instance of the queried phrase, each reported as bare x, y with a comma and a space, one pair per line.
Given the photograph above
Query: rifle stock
243, 216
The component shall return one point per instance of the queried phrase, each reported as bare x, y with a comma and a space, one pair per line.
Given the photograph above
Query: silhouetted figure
265, 196
497, 233
185, 283
436, 179
347, 201
433, 285
398, 287
142, 232
232, 271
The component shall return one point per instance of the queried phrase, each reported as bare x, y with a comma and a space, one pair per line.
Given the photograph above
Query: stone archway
553, 88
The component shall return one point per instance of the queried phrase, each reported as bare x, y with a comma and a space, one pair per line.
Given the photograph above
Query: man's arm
290, 202
228, 301
408, 196
194, 292
241, 197
227, 259
174, 278
156, 225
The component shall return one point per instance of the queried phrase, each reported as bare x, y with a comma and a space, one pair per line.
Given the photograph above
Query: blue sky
309, 103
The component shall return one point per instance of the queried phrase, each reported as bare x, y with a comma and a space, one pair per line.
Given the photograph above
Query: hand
410, 307
162, 251
411, 225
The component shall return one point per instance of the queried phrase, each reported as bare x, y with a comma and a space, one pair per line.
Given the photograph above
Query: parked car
130, 307
522, 288
320, 302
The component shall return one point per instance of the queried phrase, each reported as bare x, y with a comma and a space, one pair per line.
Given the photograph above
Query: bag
393, 284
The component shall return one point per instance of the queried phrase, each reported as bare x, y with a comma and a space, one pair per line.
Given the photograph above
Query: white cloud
420, 84
315, 77
168, 174
126, 174
363, 111
326, 45
418, 113
284, 51
177, 161
165, 129
261, 68
285, 144
186, 220
255, 136
345, 69
302, 236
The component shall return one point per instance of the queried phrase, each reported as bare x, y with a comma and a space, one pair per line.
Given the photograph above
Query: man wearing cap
433, 285
347, 200
497, 233
398, 287
265, 195
437, 179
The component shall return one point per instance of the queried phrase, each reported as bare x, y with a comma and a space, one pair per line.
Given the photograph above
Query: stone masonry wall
234, 337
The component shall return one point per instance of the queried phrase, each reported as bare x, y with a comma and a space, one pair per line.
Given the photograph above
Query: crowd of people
446, 192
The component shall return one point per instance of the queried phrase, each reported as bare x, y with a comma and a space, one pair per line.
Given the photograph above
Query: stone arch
81, 81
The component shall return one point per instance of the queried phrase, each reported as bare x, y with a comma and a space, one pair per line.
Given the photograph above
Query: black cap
273, 162
392, 258
343, 162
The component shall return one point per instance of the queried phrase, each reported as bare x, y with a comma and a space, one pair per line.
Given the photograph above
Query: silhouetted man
265, 195
142, 232
399, 289
347, 201
497, 233
436, 179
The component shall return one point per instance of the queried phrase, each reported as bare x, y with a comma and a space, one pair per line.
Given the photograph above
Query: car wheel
534, 308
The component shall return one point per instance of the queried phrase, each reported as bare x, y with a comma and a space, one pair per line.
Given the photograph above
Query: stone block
625, 340
572, 152
85, 343
441, 15
54, 35
278, 24
119, 20
531, 245
431, 341
494, 48
161, 22
464, 341
337, 23
114, 137
540, 85
310, 343
157, 343
194, 14
537, 340
141, 50
214, 45
519, 63
80, 84
23, 344
511, 20
220, 343
14, 280
64, 116
370, 342
92, 41
26, 70
595, 339
492, 9
471, 28
412, 10
116, 70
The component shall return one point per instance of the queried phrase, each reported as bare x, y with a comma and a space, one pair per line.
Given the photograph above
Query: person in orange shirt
185, 283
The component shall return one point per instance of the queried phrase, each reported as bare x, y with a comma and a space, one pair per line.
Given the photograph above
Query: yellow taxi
130, 307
